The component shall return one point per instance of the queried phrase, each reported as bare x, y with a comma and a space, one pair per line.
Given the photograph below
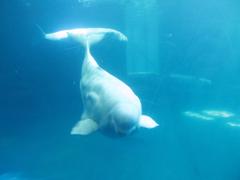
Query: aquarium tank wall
181, 59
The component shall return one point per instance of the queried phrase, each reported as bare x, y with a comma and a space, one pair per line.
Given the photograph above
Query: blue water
40, 98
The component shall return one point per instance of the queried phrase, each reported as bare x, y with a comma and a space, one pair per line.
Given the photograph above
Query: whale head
124, 118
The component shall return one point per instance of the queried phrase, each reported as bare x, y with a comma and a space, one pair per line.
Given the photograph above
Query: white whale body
108, 102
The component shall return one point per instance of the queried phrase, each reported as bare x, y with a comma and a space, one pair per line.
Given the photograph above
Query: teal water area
194, 69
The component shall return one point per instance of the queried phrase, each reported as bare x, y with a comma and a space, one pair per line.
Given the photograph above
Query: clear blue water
199, 69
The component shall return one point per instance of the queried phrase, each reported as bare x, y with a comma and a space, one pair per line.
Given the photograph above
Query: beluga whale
109, 105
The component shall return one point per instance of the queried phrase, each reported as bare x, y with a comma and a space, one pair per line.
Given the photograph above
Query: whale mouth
124, 127
115, 132
124, 118
125, 131
118, 128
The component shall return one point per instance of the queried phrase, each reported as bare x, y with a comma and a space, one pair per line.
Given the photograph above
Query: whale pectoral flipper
84, 127
147, 122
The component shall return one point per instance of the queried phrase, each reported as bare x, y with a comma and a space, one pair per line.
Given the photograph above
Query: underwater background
182, 59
